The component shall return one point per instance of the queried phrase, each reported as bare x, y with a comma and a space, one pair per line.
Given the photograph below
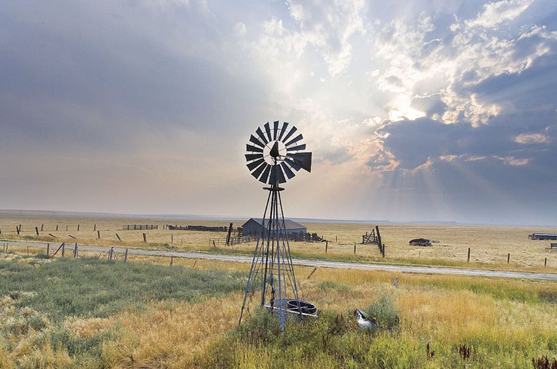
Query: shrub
384, 314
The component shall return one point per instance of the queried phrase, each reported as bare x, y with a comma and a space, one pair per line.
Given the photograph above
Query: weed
544, 363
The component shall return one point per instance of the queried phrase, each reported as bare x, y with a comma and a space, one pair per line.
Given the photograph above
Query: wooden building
254, 227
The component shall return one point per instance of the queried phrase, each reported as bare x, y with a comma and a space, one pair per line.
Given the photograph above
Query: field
89, 313
93, 313
490, 245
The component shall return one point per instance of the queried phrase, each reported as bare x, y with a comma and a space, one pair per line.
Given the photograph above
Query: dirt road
311, 263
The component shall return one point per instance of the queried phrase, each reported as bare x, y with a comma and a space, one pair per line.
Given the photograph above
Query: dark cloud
67, 80
485, 172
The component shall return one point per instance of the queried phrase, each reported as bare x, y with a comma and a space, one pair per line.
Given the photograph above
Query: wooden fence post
63, 249
508, 258
56, 227
381, 246
313, 271
469, 254
48, 250
171, 238
66, 228
144, 237
94, 228
126, 256
42, 226
78, 227
119, 239
37, 231
354, 248
17, 230
99, 235
171, 260
326, 246
110, 253
75, 251
545, 263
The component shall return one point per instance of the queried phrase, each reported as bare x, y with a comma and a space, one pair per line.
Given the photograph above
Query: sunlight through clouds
405, 105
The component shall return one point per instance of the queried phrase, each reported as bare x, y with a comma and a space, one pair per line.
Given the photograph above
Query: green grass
37, 297
100, 288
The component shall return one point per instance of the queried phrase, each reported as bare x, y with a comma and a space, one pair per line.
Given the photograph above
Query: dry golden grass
490, 245
505, 321
181, 335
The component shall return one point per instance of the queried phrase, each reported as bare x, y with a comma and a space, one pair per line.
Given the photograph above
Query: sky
414, 110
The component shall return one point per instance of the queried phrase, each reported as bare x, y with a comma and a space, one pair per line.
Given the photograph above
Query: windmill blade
268, 130
293, 164
275, 129
289, 173
265, 176
253, 148
302, 158
250, 157
294, 129
256, 173
254, 164
261, 135
297, 148
280, 174
294, 140
254, 140
283, 130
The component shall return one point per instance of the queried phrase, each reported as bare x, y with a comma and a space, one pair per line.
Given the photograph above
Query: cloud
498, 12
409, 102
531, 138
420, 62
328, 25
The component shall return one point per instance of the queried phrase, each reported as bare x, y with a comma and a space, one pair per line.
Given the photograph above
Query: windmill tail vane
274, 156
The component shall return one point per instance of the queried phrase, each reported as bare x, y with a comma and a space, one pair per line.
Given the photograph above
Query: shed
543, 236
254, 226
420, 242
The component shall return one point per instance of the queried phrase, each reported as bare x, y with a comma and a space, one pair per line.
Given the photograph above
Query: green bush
384, 314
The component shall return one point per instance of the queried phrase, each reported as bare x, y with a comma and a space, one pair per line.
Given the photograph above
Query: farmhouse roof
290, 224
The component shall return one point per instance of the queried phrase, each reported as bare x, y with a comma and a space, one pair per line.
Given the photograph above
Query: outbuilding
543, 236
254, 227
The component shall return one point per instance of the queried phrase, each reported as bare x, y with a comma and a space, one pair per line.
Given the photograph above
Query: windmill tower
273, 156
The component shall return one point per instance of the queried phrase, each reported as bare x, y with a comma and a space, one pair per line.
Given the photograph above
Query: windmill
274, 155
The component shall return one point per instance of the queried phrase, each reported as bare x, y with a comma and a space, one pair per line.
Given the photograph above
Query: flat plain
95, 313
489, 246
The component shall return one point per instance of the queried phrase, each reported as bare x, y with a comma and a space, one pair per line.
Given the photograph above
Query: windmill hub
274, 155
275, 150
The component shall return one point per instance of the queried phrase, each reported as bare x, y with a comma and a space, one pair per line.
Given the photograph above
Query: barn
254, 227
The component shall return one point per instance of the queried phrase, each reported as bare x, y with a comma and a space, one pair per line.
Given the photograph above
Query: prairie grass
503, 323
490, 245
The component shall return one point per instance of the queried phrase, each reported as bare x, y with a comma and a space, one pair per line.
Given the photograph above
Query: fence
140, 227
233, 240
